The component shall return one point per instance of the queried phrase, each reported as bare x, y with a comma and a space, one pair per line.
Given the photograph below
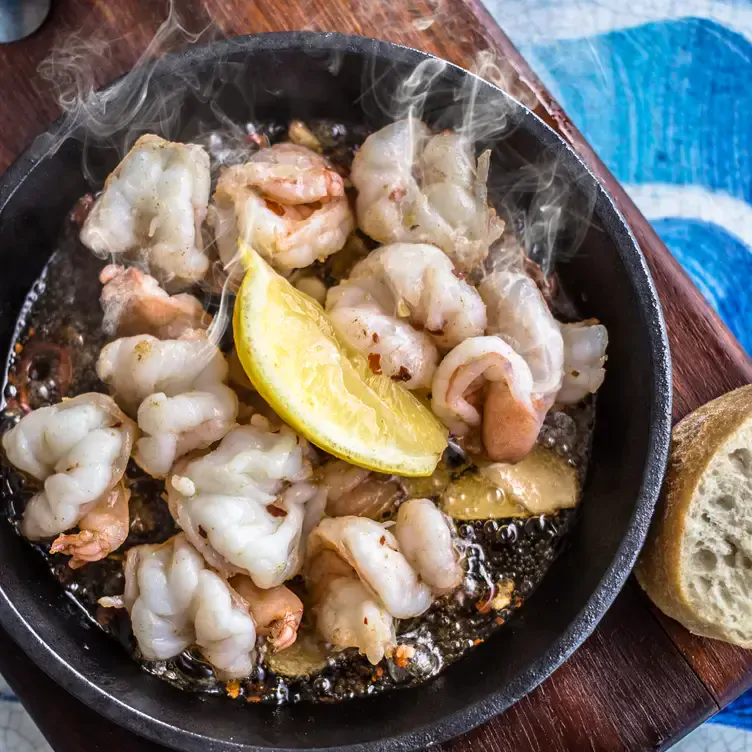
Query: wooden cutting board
640, 681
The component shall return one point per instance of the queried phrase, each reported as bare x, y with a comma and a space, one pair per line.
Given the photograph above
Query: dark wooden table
640, 681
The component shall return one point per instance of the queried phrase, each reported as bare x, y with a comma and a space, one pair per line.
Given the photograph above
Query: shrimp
373, 552
79, 450
512, 413
393, 346
134, 303
176, 388
233, 505
277, 611
153, 206
346, 614
425, 538
400, 304
352, 490
175, 601
585, 346
100, 532
518, 314
287, 203
422, 188
291, 174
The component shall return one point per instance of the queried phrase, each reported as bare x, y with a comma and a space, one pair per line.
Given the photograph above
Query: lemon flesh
323, 389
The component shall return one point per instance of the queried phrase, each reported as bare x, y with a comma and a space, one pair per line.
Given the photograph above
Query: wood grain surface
641, 681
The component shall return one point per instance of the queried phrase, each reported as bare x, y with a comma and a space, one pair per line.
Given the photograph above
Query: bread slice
697, 563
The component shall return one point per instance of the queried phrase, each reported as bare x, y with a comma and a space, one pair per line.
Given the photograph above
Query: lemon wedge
323, 389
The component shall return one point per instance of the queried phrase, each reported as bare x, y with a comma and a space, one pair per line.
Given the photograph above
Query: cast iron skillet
349, 78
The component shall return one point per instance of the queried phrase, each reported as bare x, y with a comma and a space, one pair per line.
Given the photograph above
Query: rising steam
545, 212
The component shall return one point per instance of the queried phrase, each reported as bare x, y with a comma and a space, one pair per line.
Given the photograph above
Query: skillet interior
306, 75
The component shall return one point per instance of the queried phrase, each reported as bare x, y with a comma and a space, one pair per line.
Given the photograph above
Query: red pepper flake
499, 620
397, 194
365, 620
483, 607
402, 375
459, 275
233, 688
382, 540
81, 209
379, 672
478, 641
374, 362
274, 207
275, 511
375, 337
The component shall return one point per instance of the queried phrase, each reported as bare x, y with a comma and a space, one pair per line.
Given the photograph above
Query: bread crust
695, 441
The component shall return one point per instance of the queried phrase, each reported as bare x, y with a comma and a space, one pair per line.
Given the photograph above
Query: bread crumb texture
697, 563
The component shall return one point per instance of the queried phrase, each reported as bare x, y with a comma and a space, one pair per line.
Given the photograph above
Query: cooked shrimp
518, 313
100, 531
153, 206
418, 282
177, 390
354, 491
79, 449
419, 188
585, 346
277, 611
399, 304
287, 203
347, 614
291, 174
425, 539
233, 505
512, 413
374, 554
134, 303
174, 601
393, 346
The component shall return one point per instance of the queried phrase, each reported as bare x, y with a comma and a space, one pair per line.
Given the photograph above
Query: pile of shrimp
272, 529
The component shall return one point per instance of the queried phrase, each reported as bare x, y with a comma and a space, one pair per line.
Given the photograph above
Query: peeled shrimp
347, 615
374, 553
512, 412
100, 531
79, 449
153, 206
287, 203
234, 508
425, 539
174, 601
518, 313
422, 188
396, 293
393, 346
351, 490
134, 303
585, 346
291, 174
176, 389
276, 611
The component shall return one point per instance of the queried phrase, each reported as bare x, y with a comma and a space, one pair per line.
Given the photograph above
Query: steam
545, 211
134, 104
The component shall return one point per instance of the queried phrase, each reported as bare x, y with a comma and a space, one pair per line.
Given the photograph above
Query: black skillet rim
611, 583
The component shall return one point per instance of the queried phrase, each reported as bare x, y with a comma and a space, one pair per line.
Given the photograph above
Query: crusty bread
697, 563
